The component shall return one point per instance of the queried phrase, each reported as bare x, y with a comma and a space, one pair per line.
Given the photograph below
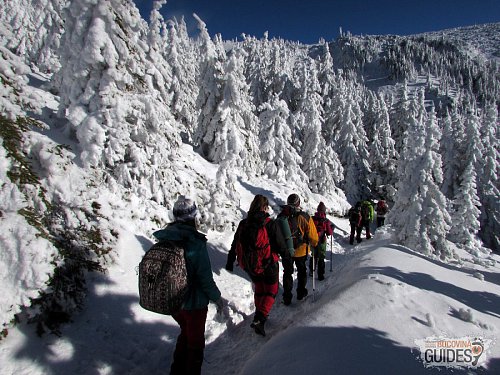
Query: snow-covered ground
366, 317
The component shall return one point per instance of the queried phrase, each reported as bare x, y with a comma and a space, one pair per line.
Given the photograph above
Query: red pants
188, 355
266, 289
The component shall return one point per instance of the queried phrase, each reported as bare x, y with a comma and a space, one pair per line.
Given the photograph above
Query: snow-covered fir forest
413, 120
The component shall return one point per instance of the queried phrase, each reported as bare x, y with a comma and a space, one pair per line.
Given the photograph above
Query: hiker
354, 215
324, 227
304, 234
258, 232
188, 354
381, 209
367, 214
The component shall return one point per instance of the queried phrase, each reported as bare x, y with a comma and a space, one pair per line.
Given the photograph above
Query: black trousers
355, 230
380, 221
288, 263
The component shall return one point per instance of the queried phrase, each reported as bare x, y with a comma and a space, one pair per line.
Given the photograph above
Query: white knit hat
185, 209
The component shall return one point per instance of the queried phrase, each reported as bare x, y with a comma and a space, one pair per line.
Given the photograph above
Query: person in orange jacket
304, 235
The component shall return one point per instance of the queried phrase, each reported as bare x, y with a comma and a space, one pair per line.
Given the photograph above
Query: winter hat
185, 209
293, 200
321, 207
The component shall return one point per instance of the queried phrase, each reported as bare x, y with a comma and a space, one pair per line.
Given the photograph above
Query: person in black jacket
355, 220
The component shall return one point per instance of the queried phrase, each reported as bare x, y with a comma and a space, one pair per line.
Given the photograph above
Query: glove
220, 305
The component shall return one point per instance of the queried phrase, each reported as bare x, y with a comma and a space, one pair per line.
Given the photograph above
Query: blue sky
308, 20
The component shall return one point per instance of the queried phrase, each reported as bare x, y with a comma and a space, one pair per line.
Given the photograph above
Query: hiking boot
302, 295
229, 267
258, 327
321, 277
287, 301
359, 240
351, 242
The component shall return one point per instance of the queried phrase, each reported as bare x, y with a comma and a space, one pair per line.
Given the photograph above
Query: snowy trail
238, 344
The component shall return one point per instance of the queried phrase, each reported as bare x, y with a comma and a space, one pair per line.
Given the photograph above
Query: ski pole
314, 272
331, 253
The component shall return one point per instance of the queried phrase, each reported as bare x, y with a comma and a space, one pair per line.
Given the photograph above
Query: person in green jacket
188, 354
367, 215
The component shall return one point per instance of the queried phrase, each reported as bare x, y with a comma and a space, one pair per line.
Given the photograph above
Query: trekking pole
331, 253
314, 272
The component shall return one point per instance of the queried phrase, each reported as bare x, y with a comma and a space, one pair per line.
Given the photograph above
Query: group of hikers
258, 244
361, 215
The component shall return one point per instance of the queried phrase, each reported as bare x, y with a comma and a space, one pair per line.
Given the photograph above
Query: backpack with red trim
321, 224
253, 250
381, 207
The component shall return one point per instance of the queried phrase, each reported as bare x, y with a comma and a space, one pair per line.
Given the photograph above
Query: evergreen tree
113, 96
36, 28
280, 161
382, 157
489, 192
400, 116
181, 56
319, 162
232, 130
450, 149
419, 215
353, 151
210, 95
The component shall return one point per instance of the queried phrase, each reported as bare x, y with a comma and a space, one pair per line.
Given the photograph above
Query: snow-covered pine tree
419, 215
451, 152
319, 162
211, 82
161, 77
36, 28
233, 127
382, 157
181, 56
112, 93
465, 224
400, 116
435, 218
225, 200
351, 145
489, 185
280, 161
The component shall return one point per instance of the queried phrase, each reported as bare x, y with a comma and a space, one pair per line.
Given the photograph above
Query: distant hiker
257, 246
324, 227
367, 215
381, 209
355, 221
304, 234
188, 354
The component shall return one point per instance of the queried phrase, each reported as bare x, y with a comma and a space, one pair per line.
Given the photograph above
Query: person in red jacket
250, 236
324, 227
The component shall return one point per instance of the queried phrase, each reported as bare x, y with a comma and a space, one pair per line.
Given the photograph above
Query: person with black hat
188, 354
355, 221
304, 234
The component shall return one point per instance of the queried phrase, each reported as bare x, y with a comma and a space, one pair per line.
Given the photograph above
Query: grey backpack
163, 282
